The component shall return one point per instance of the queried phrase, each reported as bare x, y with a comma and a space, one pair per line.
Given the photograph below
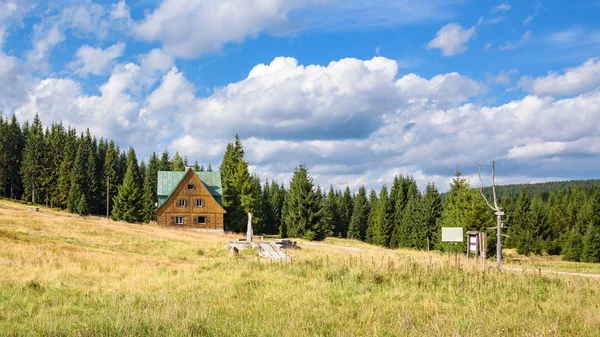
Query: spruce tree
591, 240
177, 163
210, 169
345, 214
332, 209
373, 200
33, 167
93, 192
201, 168
77, 202
303, 209
231, 196
127, 204
14, 148
382, 219
150, 197
457, 211
573, 246
432, 211
360, 213
3, 154
196, 167
165, 162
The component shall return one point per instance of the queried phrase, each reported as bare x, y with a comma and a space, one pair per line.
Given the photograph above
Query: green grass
67, 276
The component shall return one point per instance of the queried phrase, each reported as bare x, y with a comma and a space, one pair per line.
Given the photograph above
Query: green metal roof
169, 180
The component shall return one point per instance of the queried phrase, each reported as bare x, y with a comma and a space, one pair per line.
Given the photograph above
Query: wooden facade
191, 205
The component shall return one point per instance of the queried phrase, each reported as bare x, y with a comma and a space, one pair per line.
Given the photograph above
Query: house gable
201, 191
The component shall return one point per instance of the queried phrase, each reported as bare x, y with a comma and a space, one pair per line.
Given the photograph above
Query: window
199, 203
179, 220
191, 187
201, 220
181, 203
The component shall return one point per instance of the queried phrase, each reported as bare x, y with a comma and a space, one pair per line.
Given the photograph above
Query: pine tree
33, 167
210, 169
150, 197
177, 163
360, 213
165, 162
186, 163
196, 167
127, 204
201, 168
303, 207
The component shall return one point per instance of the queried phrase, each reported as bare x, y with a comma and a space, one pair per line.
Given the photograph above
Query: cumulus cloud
452, 39
574, 80
90, 60
345, 99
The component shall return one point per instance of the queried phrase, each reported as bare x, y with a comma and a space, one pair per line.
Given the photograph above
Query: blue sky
358, 90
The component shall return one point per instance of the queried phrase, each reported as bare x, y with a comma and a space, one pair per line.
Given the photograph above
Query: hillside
542, 189
65, 275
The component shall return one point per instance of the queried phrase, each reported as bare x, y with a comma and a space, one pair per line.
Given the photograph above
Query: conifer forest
61, 167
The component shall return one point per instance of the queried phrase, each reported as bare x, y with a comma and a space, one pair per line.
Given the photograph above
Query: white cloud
574, 80
345, 99
487, 46
512, 46
452, 39
530, 18
501, 8
90, 60
190, 28
12, 12
86, 19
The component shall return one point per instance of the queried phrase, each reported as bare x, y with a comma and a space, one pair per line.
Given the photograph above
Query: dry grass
62, 275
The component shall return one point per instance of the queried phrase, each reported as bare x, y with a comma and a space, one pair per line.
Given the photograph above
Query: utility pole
498, 211
107, 197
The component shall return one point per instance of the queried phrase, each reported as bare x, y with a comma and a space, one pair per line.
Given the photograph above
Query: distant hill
542, 189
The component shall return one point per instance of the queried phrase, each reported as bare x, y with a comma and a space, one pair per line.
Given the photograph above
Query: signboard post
453, 234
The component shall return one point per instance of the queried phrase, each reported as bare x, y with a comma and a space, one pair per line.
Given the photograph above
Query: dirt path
543, 271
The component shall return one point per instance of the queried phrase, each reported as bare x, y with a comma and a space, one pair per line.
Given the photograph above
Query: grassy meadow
63, 275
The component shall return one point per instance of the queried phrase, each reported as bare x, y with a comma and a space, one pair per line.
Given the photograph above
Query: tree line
57, 167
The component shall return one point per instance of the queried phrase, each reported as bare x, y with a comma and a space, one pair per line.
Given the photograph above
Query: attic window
191, 187
199, 203
181, 203
201, 220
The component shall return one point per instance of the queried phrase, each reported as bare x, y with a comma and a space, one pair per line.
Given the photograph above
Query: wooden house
190, 199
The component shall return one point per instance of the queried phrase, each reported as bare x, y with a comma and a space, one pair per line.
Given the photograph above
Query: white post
249, 232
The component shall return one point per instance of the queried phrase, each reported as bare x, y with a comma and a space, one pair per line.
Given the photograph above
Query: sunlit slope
65, 275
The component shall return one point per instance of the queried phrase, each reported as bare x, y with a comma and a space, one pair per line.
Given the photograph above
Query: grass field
62, 275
